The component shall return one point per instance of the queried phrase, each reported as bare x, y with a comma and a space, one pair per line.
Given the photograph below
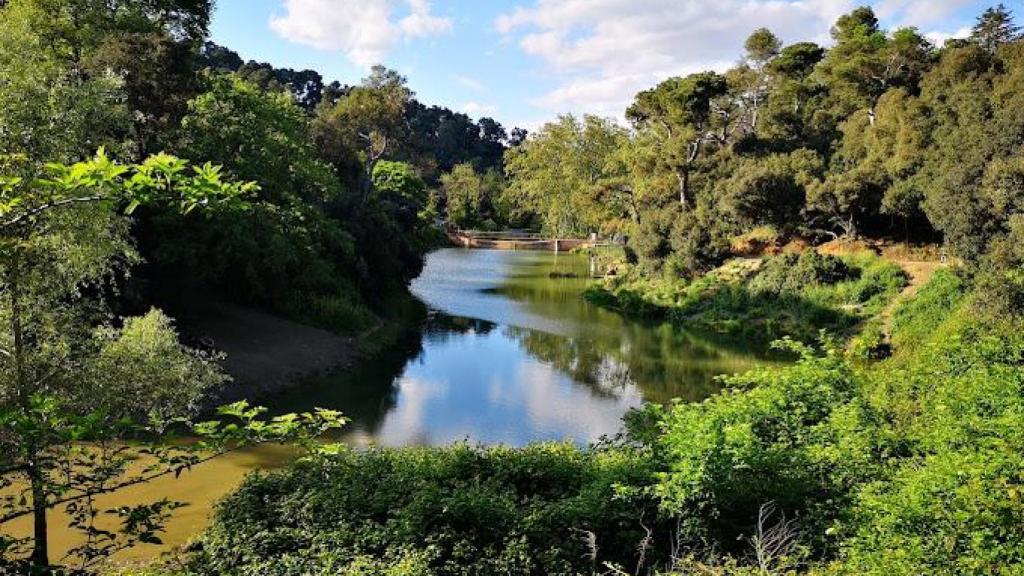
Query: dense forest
881, 135
144, 168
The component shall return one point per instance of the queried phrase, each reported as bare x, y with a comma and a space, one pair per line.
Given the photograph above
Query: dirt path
920, 273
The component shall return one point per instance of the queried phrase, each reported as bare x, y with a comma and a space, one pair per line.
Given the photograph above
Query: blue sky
525, 61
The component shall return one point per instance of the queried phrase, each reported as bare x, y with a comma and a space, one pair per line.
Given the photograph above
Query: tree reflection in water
522, 358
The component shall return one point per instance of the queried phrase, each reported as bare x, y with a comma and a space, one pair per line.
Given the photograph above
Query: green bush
945, 421
757, 442
457, 510
790, 295
792, 273
341, 313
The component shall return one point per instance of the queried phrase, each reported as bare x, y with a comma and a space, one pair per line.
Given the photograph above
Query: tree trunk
367, 183
40, 544
850, 227
684, 187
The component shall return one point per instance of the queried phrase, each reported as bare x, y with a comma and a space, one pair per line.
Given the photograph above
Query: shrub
457, 510
792, 274
752, 444
341, 313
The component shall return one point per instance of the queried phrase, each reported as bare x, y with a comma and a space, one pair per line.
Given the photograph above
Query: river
509, 353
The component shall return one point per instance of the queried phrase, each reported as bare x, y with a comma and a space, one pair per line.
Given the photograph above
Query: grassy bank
786, 295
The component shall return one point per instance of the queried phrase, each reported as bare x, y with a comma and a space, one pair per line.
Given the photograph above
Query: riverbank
266, 354
795, 295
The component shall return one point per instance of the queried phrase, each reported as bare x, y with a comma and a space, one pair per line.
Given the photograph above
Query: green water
511, 353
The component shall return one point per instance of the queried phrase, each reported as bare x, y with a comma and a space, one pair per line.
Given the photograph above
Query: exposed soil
919, 272
264, 353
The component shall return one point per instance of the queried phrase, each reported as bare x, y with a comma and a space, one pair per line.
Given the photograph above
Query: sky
523, 62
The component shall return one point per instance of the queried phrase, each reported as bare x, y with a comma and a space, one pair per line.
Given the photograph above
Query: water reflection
510, 353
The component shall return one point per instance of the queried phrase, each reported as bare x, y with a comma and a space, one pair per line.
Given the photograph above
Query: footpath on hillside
919, 273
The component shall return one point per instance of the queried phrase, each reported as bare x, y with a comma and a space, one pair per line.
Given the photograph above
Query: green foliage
141, 371
995, 27
296, 248
793, 273
757, 442
257, 136
400, 182
769, 191
462, 190
789, 295
456, 510
70, 457
356, 132
565, 175
39, 87
68, 392
945, 419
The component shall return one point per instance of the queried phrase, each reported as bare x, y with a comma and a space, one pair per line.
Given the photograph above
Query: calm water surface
511, 353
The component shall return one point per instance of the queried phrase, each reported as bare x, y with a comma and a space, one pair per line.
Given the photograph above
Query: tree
995, 27
58, 238
769, 190
280, 250
258, 136
462, 195
679, 115
562, 174
753, 76
866, 62
48, 110
363, 126
790, 106
148, 44
976, 128
397, 184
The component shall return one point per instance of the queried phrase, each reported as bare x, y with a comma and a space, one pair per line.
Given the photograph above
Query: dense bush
794, 273
908, 466
457, 510
944, 417
789, 295
760, 441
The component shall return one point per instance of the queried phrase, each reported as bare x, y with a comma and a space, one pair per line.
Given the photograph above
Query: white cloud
470, 83
939, 37
420, 23
602, 52
479, 109
365, 30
